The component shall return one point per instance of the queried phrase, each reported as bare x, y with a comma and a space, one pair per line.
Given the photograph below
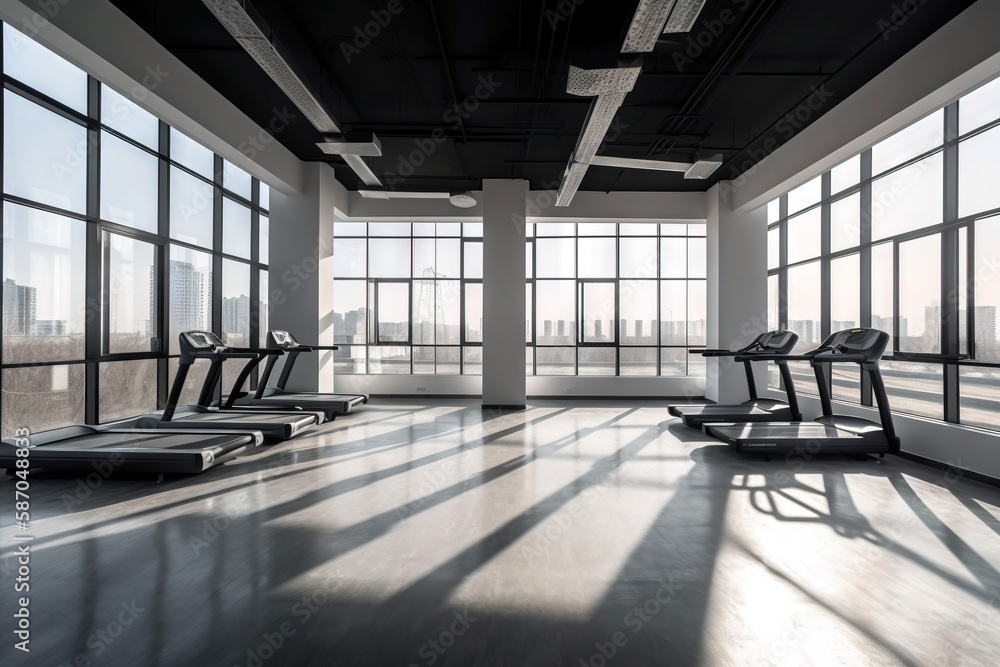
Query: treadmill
133, 450
206, 345
830, 433
282, 343
756, 409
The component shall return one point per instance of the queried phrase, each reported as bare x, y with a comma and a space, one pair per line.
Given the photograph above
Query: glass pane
772, 303
637, 258
424, 303
235, 229
59, 388
389, 360
192, 383
555, 360
555, 258
847, 382
350, 312
597, 361
529, 254
963, 290
449, 229
804, 304
845, 223
265, 196
264, 239
235, 179
908, 199
597, 258
472, 229
697, 229
350, 360
773, 247
596, 229
449, 259
555, 229
638, 361
388, 258
28, 61
845, 293
474, 312
987, 286
449, 361
918, 138
637, 229
805, 195
845, 174
980, 403
529, 309
474, 259
598, 313
389, 229
915, 388
673, 258
44, 274
638, 324
423, 360
473, 360
773, 211
673, 312
423, 229
190, 293
977, 173
120, 113
555, 312
979, 107
805, 236
351, 229
448, 311
529, 361
188, 152
392, 314
264, 310
235, 304
697, 313
697, 258
131, 282
129, 184
349, 258
920, 294
127, 389
423, 258
673, 362
44, 155
673, 229
883, 279
191, 208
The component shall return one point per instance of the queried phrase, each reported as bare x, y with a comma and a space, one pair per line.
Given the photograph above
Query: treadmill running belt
128, 441
804, 431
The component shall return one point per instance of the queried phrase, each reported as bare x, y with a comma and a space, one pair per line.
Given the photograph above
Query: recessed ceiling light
463, 199
639, 163
704, 168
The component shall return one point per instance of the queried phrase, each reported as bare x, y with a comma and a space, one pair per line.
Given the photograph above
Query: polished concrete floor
572, 533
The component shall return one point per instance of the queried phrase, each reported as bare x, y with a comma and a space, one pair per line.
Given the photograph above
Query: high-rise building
18, 308
236, 319
190, 298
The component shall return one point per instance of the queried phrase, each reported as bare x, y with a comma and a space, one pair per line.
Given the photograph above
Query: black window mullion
216, 302
866, 261
949, 265
163, 270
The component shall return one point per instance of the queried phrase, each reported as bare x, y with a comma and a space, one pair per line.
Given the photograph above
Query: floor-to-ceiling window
118, 232
903, 237
615, 299
408, 298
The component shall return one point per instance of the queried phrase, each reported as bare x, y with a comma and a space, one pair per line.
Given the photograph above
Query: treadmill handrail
927, 357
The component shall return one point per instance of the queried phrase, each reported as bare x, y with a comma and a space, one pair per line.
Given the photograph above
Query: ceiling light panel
361, 168
684, 15
647, 25
639, 163
610, 87
704, 168
371, 148
234, 17
397, 194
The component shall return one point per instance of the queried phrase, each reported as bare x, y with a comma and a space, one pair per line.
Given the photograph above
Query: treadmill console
200, 340
278, 338
869, 342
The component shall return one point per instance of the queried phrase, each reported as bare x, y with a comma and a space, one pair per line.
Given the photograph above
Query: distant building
190, 298
50, 328
18, 308
236, 315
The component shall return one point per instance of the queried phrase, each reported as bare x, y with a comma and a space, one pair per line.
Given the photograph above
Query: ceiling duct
653, 18
704, 168
458, 199
251, 34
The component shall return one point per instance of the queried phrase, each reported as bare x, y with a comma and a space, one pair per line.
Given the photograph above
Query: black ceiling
728, 89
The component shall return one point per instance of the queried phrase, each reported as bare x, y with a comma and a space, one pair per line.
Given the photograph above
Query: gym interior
577, 333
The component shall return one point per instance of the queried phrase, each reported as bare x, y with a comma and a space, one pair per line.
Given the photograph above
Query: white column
737, 291
503, 292
301, 275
